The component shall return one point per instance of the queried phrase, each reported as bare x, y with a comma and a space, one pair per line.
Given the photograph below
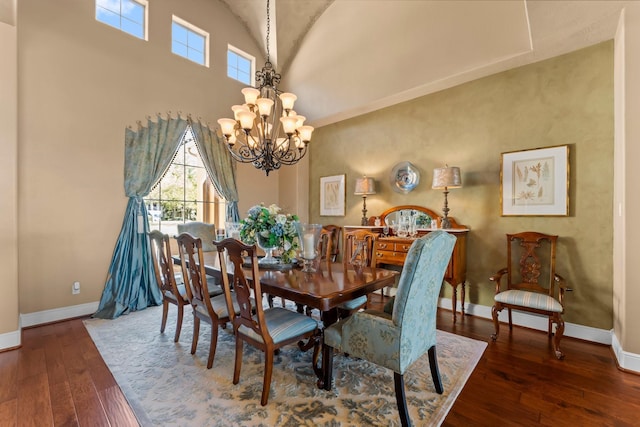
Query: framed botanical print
332, 195
535, 182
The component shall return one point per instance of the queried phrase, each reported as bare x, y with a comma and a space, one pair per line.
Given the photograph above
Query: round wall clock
404, 177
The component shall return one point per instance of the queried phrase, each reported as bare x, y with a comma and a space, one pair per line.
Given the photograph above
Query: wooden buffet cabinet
392, 250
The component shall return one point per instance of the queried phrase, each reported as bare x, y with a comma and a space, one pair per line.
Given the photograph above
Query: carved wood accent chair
396, 341
267, 329
212, 310
532, 283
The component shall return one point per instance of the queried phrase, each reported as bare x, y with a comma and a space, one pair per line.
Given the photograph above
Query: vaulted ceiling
347, 57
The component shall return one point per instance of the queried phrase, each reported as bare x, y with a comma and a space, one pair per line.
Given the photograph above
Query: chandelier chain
268, 31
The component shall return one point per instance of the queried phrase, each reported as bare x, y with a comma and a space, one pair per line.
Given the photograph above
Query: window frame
199, 31
145, 24
212, 205
252, 59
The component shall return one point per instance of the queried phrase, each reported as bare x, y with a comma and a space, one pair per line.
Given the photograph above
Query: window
185, 193
129, 16
189, 41
240, 65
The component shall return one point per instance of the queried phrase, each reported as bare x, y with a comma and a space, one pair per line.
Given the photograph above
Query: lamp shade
447, 177
365, 186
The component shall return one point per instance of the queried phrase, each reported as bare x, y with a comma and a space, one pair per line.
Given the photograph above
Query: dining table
331, 284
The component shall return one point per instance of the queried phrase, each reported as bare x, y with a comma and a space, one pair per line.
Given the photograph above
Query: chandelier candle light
445, 178
265, 130
364, 187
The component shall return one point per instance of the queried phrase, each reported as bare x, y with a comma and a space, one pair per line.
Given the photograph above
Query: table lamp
445, 178
364, 186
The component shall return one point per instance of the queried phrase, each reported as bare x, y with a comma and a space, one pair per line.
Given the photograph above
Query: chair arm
562, 287
497, 277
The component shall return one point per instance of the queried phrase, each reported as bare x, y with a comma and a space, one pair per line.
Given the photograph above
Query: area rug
166, 385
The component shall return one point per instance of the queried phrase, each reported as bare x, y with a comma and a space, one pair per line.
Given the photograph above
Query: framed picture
332, 195
535, 182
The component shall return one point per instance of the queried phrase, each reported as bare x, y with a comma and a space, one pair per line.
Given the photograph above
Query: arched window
185, 193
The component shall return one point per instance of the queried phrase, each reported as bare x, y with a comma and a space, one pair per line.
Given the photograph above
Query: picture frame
535, 182
332, 195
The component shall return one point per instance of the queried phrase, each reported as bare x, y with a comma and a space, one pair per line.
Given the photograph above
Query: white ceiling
347, 57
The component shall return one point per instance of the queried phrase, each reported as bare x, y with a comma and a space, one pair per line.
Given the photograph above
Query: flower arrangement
274, 229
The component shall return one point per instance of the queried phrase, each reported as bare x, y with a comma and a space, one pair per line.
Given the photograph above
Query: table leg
325, 373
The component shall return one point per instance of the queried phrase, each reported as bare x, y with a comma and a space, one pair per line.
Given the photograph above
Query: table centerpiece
271, 229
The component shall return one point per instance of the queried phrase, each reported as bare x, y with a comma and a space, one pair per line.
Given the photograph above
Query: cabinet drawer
390, 257
383, 246
402, 247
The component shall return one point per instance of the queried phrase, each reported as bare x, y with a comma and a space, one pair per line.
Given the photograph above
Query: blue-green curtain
131, 283
219, 165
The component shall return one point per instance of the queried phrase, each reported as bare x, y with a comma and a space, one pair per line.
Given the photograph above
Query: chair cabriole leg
494, 314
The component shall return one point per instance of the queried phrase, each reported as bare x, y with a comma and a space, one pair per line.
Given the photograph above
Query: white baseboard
626, 360
9, 340
56, 314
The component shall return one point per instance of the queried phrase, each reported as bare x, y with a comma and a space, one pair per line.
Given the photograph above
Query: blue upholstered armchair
397, 341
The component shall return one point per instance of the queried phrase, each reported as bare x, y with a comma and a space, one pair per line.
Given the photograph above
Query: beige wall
627, 291
80, 84
564, 100
8, 185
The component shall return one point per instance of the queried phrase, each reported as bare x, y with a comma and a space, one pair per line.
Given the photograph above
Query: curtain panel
131, 283
219, 165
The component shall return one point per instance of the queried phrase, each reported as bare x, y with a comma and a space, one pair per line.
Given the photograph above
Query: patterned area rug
166, 385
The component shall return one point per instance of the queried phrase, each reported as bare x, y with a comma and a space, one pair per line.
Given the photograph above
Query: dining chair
170, 283
357, 252
532, 283
213, 310
332, 251
205, 231
266, 329
396, 341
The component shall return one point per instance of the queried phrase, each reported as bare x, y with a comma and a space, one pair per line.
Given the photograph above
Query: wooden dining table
325, 289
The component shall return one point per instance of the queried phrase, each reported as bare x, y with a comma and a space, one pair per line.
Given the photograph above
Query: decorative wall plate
404, 177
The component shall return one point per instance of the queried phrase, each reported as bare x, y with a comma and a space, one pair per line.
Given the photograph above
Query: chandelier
265, 130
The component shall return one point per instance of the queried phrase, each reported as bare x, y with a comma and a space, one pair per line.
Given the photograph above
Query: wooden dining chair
396, 341
331, 251
170, 283
212, 310
357, 252
266, 329
532, 283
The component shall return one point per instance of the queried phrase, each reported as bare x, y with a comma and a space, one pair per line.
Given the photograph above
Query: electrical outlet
75, 288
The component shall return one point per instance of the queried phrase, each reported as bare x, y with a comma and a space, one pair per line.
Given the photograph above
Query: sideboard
392, 250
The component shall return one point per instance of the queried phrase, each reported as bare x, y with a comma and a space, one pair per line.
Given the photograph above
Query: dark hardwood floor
58, 378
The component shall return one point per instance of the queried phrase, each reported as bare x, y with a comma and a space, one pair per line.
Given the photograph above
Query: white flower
281, 219
287, 245
273, 209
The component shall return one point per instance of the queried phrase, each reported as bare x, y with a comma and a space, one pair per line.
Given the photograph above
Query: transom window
129, 16
185, 193
240, 65
189, 41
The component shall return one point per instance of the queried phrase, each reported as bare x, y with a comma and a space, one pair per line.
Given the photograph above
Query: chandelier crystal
265, 130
